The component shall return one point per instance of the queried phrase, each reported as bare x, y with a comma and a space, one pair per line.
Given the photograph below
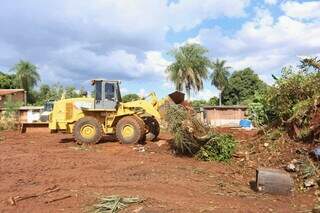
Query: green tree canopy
7, 81
219, 76
214, 101
190, 67
242, 86
198, 103
54, 92
71, 92
27, 76
130, 97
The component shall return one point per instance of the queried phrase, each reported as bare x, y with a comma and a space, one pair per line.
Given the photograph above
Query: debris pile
192, 137
305, 171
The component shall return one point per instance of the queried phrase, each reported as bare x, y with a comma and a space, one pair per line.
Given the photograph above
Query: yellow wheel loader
88, 119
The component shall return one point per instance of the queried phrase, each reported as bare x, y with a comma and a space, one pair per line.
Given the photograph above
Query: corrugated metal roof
10, 91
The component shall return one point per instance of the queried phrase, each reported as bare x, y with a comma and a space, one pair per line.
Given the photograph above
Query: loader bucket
177, 97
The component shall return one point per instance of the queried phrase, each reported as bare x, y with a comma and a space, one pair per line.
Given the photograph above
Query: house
16, 95
223, 116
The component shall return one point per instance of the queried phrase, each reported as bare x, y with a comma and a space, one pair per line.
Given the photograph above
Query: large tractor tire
153, 128
130, 129
87, 130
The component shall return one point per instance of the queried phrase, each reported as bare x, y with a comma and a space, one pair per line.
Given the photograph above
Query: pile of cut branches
193, 138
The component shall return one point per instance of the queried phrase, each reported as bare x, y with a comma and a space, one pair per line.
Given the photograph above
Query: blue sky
73, 41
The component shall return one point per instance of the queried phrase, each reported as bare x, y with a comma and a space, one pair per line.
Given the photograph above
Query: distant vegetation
130, 97
189, 71
25, 75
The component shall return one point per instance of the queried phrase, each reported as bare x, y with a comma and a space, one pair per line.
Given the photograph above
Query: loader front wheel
153, 128
130, 130
87, 130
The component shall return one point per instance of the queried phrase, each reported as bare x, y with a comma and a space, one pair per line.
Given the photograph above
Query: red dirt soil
35, 161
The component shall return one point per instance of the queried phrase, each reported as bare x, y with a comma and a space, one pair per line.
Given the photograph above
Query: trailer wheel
87, 130
153, 128
130, 129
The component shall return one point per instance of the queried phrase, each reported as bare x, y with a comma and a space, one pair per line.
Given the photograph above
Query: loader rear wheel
130, 130
153, 128
87, 130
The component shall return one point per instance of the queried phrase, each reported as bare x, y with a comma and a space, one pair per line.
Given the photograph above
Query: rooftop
226, 107
10, 91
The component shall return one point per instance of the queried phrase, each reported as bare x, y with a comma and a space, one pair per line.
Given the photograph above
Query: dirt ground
34, 162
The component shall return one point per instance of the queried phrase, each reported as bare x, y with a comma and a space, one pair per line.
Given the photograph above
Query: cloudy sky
72, 41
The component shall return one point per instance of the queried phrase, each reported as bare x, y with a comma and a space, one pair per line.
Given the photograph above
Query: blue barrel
245, 123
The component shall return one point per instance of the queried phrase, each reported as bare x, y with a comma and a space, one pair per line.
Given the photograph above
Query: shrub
219, 148
9, 116
7, 123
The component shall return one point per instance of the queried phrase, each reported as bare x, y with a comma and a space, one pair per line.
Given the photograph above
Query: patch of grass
113, 204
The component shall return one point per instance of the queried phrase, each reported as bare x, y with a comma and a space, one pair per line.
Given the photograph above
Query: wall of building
26, 114
227, 117
16, 97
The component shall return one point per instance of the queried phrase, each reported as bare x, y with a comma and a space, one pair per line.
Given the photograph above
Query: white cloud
117, 64
302, 10
271, 2
264, 43
75, 40
187, 14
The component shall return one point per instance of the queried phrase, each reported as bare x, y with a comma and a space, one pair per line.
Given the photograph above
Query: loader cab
107, 94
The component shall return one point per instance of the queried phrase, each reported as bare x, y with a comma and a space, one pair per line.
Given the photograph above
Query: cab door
106, 96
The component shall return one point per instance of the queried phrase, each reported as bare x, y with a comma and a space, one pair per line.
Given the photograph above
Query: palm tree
219, 76
190, 68
27, 75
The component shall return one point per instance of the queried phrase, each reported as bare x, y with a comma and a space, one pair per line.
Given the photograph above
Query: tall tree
7, 81
310, 62
27, 75
242, 86
219, 76
190, 67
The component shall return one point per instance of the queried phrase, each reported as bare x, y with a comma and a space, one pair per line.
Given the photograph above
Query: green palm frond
190, 67
27, 75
